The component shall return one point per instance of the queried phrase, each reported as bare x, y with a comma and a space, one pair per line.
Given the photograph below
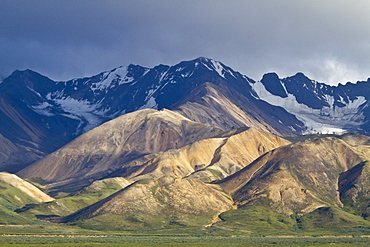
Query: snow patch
111, 78
163, 76
42, 109
55, 95
81, 110
150, 93
219, 68
34, 91
327, 120
151, 103
207, 66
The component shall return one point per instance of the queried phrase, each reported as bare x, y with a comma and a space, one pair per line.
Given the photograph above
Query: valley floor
110, 240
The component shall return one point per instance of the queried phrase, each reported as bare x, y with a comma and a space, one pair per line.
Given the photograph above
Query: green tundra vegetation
230, 212
56, 241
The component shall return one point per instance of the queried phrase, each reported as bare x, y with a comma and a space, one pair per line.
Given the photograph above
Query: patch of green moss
295, 139
73, 202
215, 173
139, 222
257, 219
14, 195
39, 180
331, 220
144, 181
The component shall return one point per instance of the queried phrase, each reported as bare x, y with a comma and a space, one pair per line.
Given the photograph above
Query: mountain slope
297, 178
39, 115
14, 194
167, 200
322, 108
208, 159
34, 134
29, 191
302, 179
227, 107
70, 203
8, 151
100, 151
42, 115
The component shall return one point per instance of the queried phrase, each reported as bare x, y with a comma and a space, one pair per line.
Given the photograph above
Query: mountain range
194, 144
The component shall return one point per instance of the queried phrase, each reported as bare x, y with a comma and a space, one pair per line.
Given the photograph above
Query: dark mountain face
94, 100
308, 92
34, 134
272, 84
192, 159
40, 115
44, 114
322, 108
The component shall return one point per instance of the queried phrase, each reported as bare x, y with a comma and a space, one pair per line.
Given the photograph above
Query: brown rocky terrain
297, 178
293, 179
208, 160
217, 104
7, 148
100, 151
167, 196
215, 159
172, 169
258, 171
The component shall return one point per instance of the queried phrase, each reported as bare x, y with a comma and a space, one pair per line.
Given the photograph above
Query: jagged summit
322, 108
272, 83
184, 145
41, 114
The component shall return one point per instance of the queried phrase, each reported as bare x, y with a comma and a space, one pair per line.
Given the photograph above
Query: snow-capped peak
214, 65
328, 119
117, 76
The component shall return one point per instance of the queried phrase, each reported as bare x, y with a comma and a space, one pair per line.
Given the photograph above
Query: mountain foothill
195, 145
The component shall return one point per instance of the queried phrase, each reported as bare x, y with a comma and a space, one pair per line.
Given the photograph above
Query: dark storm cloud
327, 40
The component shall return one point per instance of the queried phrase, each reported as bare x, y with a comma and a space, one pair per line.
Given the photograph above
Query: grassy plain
55, 241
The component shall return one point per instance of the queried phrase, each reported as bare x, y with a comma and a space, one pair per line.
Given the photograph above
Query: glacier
328, 120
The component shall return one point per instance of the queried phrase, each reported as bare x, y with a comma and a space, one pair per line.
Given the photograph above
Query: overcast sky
328, 40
